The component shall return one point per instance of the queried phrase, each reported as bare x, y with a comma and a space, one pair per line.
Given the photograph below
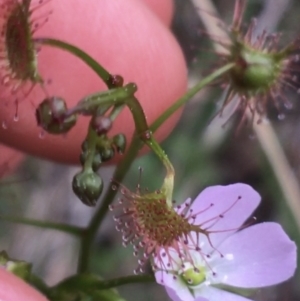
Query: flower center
21, 53
255, 71
194, 277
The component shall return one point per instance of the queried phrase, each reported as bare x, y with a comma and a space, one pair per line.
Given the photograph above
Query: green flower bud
87, 185
107, 154
51, 116
120, 143
97, 160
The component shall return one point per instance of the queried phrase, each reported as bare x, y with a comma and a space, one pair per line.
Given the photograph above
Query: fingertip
13, 288
163, 9
127, 39
10, 159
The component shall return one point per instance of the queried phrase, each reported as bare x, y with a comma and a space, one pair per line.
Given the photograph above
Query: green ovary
192, 277
255, 71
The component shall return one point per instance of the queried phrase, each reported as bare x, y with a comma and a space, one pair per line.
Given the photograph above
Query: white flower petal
174, 285
215, 294
174, 296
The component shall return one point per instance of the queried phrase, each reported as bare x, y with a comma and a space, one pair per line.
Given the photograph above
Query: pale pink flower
258, 256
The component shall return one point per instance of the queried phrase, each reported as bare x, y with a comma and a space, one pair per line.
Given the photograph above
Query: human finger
128, 39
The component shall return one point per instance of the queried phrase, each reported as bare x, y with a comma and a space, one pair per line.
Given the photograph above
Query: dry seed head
261, 71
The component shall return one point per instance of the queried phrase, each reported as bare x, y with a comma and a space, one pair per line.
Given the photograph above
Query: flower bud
120, 143
107, 154
87, 185
116, 81
101, 124
51, 116
97, 160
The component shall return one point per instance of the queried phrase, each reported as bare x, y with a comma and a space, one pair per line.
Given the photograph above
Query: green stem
107, 78
93, 64
192, 92
124, 165
73, 230
91, 231
115, 96
168, 185
116, 111
92, 143
40, 285
146, 136
124, 95
88, 283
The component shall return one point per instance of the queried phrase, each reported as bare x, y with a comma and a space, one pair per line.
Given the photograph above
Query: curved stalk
92, 63
123, 167
88, 282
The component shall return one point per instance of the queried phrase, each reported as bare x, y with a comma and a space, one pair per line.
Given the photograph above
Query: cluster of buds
54, 117
96, 149
19, 72
105, 150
